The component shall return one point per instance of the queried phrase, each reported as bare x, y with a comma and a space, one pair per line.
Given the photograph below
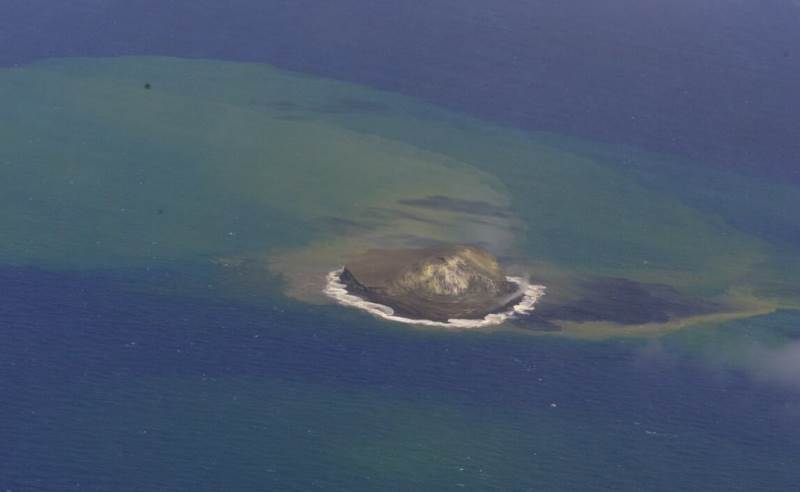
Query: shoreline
336, 290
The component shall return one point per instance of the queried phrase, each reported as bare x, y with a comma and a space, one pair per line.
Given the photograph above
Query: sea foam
335, 289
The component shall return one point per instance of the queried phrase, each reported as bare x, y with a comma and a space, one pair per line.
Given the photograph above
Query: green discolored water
166, 228
130, 162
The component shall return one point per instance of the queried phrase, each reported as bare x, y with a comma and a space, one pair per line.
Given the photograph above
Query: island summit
437, 283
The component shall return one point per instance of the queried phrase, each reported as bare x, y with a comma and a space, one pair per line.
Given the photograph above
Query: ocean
177, 179
104, 391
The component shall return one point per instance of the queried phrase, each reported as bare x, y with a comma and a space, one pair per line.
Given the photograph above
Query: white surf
335, 289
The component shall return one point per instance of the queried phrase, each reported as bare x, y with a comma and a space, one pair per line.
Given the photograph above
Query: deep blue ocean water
106, 389
713, 80
105, 385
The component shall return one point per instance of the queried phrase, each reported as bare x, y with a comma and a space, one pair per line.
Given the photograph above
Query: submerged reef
438, 283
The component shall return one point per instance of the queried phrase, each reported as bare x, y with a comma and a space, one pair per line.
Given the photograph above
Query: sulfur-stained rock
440, 283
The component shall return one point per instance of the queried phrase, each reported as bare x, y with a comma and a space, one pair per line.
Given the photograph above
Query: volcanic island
438, 283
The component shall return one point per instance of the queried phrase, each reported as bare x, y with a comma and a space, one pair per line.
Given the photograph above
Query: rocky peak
432, 283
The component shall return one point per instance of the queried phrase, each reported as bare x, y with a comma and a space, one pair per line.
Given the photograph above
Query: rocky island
438, 283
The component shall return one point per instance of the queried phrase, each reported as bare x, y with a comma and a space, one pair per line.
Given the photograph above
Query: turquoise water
167, 225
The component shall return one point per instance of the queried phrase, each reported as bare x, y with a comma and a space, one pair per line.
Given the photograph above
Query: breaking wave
335, 289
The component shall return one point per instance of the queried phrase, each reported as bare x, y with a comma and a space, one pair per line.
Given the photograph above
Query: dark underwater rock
616, 300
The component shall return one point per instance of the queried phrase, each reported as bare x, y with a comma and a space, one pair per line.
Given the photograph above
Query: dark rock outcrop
438, 283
